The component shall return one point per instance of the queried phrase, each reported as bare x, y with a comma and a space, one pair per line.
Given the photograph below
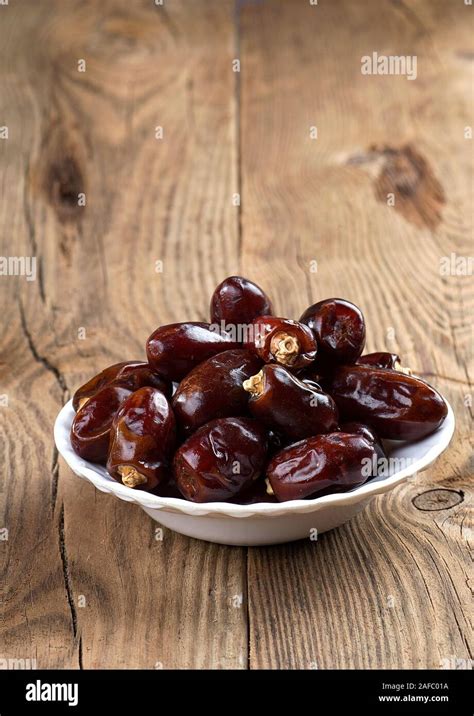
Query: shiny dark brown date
396, 405
142, 440
175, 349
288, 405
220, 459
339, 328
282, 341
90, 430
367, 433
237, 301
214, 389
131, 374
320, 465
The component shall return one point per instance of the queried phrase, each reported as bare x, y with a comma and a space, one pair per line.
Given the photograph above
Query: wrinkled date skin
238, 301
282, 341
142, 440
381, 360
175, 349
289, 406
323, 464
339, 329
214, 389
91, 427
220, 459
397, 406
131, 374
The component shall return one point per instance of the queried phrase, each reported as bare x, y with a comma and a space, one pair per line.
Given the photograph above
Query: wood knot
438, 499
64, 183
407, 177
404, 174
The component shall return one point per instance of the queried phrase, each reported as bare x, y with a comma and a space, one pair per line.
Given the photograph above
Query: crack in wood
68, 581
46, 363
55, 476
41, 359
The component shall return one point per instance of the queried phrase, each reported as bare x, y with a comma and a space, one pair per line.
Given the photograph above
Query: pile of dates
252, 407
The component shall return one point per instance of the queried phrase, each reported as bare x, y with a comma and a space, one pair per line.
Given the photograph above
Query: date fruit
142, 440
175, 349
282, 341
90, 430
396, 405
131, 374
238, 301
339, 328
288, 405
220, 459
253, 390
214, 389
320, 465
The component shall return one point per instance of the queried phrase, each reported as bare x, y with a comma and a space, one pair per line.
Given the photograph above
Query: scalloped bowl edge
296, 519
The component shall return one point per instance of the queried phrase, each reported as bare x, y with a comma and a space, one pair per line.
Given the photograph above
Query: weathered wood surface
87, 582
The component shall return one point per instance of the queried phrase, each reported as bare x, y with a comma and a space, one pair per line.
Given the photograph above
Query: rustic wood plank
89, 585
391, 588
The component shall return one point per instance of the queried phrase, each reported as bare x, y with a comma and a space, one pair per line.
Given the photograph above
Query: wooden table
350, 184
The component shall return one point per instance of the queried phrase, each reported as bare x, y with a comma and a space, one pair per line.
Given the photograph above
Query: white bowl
261, 523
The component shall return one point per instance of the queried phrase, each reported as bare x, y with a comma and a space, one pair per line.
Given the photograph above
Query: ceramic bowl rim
95, 474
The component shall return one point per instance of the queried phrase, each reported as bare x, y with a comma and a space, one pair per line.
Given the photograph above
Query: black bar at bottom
84, 692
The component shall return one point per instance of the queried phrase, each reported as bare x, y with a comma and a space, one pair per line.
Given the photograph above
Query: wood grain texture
87, 582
